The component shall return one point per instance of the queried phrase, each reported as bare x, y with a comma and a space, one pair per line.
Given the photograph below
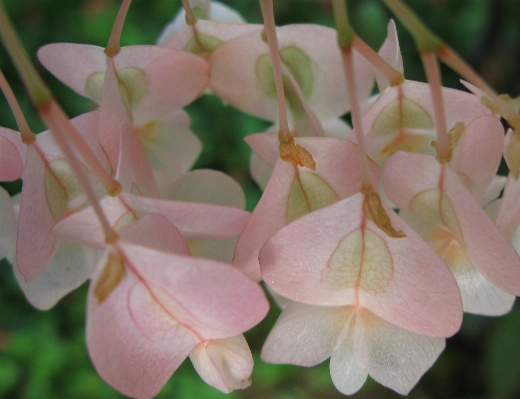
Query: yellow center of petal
111, 276
309, 192
361, 260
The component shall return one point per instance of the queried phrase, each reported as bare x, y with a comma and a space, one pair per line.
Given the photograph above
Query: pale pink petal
194, 220
391, 53
214, 11
214, 299
347, 374
225, 364
222, 250
12, 155
74, 64
169, 143
478, 152
134, 344
315, 260
155, 231
418, 183
305, 335
401, 118
214, 32
134, 171
265, 145
392, 356
35, 245
235, 78
260, 171
330, 182
83, 227
493, 192
70, 267
336, 127
508, 217
173, 80
8, 226
209, 186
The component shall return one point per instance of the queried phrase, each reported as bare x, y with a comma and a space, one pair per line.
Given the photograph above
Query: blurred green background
43, 354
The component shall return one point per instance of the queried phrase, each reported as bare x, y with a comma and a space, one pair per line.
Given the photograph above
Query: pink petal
73, 63
234, 72
391, 53
392, 356
305, 335
477, 156
194, 220
225, 364
35, 245
434, 192
273, 210
313, 260
134, 344
12, 154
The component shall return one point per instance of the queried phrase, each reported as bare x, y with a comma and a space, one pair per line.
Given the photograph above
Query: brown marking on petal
374, 211
296, 154
111, 276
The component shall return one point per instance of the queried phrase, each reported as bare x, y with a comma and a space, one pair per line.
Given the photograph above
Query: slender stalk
393, 75
191, 19
345, 32
34, 85
357, 123
52, 115
455, 62
27, 136
284, 134
431, 66
113, 46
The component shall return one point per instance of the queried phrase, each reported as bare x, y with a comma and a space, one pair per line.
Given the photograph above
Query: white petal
394, 357
346, 372
305, 335
72, 265
225, 364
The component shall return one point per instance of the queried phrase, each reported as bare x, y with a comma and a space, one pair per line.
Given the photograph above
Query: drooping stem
26, 134
425, 40
191, 19
34, 85
113, 45
393, 75
345, 41
41, 98
53, 117
455, 62
284, 134
431, 66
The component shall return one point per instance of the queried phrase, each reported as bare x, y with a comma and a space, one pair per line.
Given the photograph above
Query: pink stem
113, 46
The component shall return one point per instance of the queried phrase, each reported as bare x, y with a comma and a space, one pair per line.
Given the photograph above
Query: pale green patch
132, 85
401, 114
199, 13
126, 219
308, 193
202, 44
299, 65
94, 85
61, 186
433, 205
361, 260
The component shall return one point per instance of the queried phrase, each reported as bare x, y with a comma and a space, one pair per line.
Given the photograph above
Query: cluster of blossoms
174, 260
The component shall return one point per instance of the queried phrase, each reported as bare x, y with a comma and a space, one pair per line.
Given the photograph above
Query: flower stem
431, 66
284, 135
191, 19
113, 46
26, 134
395, 77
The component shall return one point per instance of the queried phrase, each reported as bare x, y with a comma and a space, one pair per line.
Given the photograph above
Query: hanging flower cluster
173, 259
